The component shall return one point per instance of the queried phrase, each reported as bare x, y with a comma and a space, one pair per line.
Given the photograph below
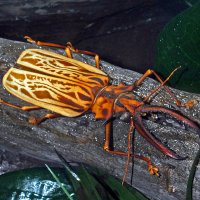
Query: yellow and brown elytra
70, 88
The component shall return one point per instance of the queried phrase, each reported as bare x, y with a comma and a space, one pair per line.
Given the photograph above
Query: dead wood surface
81, 139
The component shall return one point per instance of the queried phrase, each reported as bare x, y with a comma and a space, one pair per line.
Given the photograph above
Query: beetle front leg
149, 72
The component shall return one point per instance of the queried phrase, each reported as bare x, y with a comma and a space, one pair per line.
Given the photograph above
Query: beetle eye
143, 114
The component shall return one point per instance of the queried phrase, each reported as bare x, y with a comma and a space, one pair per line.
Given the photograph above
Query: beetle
70, 88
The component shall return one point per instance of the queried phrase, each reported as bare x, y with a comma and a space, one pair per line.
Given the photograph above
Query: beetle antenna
162, 84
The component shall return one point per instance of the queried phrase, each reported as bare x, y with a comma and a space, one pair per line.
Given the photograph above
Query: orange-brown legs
35, 121
107, 136
26, 108
68, 49
149, 72
48, 44
31, 120
151, 167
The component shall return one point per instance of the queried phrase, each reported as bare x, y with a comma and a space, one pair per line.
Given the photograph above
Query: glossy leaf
59, 183
38, 183
179, 45
190, 2
193, 170
120, 192
35, 183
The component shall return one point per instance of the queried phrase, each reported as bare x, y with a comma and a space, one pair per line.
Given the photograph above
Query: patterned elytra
55, 82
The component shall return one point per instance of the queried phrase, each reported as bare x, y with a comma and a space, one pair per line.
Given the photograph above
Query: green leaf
119, 191
92, 187
124, 192
35, 183
60, 184
39, 184
190, 2
82, 182
192, 175
71, 176
179, 45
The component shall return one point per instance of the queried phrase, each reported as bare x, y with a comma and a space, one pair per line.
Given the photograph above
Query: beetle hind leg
68, 49
96, 56
31, 120
25, 108
40, 43
36, 121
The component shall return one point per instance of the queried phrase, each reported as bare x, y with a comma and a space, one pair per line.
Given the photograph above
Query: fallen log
81, 139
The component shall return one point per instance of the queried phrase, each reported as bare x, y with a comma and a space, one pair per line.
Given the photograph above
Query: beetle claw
153, 170
189, 104
34, 120
150, 138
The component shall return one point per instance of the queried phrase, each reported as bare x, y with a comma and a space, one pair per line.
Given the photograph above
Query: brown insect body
70, 88
113, 100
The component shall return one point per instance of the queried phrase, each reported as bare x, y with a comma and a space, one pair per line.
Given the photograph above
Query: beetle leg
35, 121
107, 147
108, 131
68, 49
40, 43
96, 56
150, 72
26, 108
32, 120
178, 102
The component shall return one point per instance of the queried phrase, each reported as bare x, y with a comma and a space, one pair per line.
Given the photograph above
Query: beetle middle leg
26, 108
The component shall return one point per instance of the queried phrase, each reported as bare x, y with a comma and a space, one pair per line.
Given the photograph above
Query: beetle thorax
114, 101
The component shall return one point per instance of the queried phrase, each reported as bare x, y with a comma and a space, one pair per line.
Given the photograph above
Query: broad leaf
35, 183
179, 45
38, 183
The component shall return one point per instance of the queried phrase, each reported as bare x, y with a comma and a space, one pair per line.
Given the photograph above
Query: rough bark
81, 139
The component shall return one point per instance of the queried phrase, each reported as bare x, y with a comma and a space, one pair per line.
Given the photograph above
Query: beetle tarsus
153, 170
189, 104
34, 121
29, 39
